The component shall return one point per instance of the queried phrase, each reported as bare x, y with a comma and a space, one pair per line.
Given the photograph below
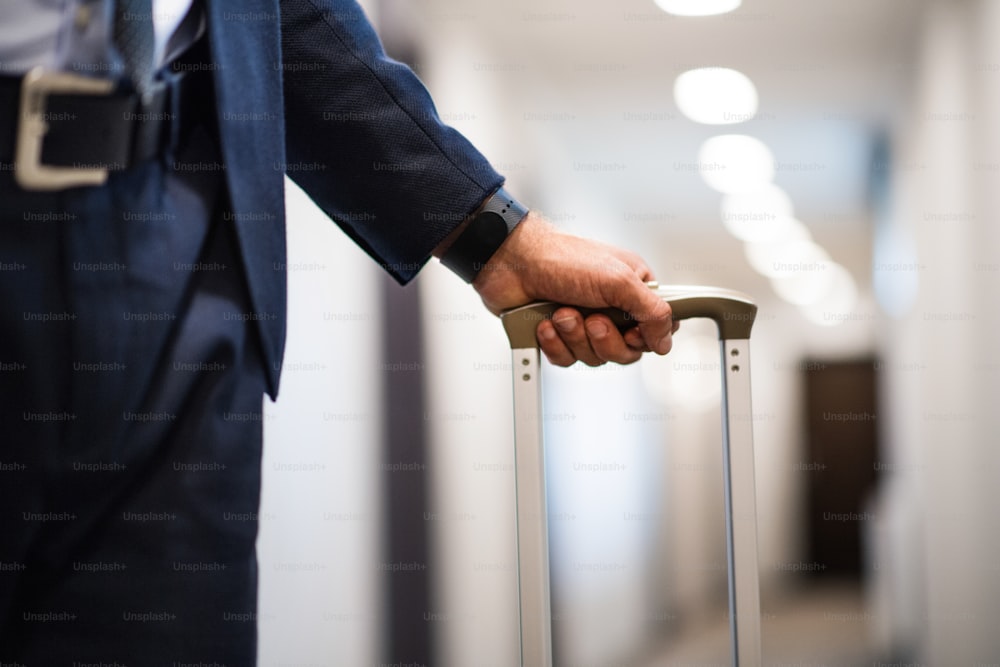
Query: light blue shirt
58, 33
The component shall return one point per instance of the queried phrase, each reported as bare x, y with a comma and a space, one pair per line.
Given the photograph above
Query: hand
538, 262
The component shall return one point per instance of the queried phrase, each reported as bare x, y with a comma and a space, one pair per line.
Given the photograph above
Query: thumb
649, 311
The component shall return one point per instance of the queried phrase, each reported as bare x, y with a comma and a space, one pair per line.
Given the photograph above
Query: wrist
504, 281
471, 246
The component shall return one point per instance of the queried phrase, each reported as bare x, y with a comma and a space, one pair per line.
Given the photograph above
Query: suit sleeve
364, 140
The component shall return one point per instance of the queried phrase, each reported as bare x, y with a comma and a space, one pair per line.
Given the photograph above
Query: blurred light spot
698, 7
762, 256
690, 376
735, 163
801, 272
760, 216
715, 96
836, 305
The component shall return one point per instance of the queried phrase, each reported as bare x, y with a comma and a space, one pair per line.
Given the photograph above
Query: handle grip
732, 311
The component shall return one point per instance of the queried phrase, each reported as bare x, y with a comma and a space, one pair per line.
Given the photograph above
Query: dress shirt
40, 32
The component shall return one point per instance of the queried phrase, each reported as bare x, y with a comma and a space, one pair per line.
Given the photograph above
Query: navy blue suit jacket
305, 87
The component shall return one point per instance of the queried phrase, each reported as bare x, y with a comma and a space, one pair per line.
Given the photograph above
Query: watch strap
485, 233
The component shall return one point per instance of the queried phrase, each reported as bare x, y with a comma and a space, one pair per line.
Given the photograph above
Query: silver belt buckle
29, 172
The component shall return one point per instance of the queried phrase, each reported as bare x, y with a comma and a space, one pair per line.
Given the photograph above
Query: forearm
373, 152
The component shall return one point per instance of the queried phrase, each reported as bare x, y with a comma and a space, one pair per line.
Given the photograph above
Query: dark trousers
130, 420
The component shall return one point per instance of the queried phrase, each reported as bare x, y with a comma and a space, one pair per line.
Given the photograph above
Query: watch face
485, 233
473, 248
489, 230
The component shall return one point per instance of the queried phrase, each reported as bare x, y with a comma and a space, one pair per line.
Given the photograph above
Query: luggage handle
734, 314
732, 311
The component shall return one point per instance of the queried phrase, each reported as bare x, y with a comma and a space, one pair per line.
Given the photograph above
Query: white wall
471, 515
321, 507
942, 368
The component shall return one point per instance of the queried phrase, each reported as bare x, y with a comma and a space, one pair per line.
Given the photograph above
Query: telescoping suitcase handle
734, 314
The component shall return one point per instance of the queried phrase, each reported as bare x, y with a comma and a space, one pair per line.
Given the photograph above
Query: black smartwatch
485, 233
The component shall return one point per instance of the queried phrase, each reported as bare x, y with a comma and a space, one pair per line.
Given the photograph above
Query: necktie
133, 34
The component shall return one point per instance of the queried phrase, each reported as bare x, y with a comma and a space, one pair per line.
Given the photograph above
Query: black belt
72, 130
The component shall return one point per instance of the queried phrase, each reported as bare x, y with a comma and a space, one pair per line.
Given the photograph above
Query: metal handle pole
741, 504
531, 512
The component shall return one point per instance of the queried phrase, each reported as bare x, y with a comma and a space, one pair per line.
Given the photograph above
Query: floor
823, 626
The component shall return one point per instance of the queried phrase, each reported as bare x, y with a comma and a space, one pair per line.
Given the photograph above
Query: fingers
564, 339
567, 338
608, 343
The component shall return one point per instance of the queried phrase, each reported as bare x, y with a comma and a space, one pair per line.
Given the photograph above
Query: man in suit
143, 312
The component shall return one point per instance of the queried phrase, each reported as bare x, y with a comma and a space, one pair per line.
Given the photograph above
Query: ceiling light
760, 216
697, 7
715, 96
735, 163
